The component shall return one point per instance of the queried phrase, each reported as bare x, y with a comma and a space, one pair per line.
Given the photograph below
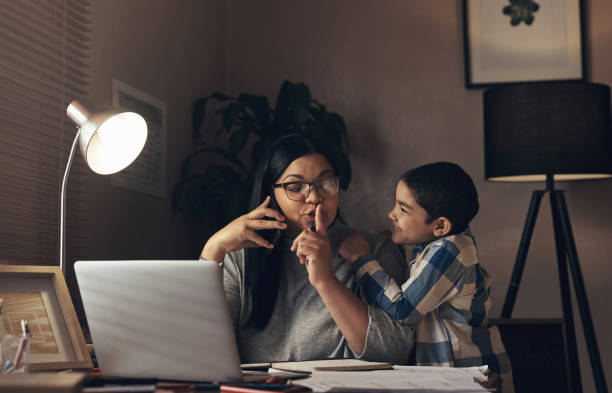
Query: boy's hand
354, 246
492, 381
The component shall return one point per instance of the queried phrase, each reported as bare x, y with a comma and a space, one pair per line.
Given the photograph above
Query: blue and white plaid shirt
447, 298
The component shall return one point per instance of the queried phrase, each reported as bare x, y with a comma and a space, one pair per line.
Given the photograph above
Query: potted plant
222, 186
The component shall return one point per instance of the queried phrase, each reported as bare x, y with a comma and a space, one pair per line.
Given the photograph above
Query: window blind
44, 49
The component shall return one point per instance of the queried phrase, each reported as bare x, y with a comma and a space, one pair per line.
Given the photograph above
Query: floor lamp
542, 132
109, 139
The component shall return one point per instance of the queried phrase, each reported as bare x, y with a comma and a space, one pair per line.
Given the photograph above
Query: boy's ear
443, 227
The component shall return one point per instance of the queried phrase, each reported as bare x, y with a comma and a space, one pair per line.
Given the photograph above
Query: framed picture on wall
147, 174
522, 41
39, 295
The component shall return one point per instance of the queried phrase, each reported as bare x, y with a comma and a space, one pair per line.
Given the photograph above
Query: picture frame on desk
545, 44
39, 295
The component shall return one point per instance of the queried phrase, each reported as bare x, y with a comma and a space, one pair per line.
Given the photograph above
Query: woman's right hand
240, 233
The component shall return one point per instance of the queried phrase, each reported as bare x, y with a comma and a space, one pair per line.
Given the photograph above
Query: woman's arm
387, 339
370, 333
348, 311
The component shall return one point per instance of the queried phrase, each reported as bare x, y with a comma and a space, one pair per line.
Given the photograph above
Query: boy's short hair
444, 189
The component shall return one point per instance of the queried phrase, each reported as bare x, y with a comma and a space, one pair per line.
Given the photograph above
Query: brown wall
174, 51
394, 71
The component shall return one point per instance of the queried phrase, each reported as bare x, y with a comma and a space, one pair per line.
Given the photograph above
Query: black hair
444, 189
264, 266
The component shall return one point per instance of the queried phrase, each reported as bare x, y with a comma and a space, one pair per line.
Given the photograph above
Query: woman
281, 276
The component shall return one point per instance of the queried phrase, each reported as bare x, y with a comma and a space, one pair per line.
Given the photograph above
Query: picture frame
147, 174
550, 48
39, 295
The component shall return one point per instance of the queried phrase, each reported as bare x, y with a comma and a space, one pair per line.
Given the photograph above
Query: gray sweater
300, 327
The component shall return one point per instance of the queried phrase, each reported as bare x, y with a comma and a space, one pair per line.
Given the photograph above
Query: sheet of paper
400, 379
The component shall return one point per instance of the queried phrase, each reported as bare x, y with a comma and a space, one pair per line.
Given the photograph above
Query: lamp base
566, 254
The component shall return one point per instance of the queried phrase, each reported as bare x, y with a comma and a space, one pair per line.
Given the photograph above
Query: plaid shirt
447, 298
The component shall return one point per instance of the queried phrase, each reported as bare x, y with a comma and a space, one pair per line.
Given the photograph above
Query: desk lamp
110, 140
542, 132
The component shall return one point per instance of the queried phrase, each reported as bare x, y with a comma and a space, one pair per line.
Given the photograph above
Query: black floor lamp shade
536, 129
547, 132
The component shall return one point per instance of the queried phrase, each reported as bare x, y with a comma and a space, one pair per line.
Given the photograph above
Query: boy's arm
356, 249
387, 339
436, 278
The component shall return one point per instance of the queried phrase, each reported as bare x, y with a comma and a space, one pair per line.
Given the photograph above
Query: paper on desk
400, 379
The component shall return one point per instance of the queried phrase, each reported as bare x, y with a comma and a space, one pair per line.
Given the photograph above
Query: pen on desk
25, 337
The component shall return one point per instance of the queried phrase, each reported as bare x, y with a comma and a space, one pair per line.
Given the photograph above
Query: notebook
159, 319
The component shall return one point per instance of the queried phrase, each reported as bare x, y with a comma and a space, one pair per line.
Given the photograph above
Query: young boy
447, 294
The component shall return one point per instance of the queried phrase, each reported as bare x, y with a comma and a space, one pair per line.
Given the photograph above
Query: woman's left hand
314, 250
348, 311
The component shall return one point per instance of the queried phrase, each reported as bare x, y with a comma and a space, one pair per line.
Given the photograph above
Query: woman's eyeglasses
299, 190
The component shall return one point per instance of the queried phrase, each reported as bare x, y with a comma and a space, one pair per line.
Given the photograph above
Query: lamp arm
62, 243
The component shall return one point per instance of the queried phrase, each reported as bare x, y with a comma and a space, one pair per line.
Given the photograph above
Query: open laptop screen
159, 319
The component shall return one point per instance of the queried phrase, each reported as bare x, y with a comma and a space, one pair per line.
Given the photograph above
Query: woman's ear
443, 227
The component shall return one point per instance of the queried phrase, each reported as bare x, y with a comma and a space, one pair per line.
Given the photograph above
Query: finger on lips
319, 221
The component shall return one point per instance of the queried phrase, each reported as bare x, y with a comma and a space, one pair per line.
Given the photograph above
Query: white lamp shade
109, 139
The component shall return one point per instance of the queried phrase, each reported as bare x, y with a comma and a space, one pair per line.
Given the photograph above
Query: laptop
159, 319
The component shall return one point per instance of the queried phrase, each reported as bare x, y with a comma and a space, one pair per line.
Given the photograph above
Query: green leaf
221, 190
222, 175
220, 96
335, 125
259, 107
299, 104
236, 199
201, 198
251, 125
281, 111
237, 141
339, 125
230, 114
179, 190
259, 148
197, 117
198, 113
317, 131
186, 166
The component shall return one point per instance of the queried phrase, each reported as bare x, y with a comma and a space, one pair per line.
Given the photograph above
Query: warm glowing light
557, 177
117, 143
